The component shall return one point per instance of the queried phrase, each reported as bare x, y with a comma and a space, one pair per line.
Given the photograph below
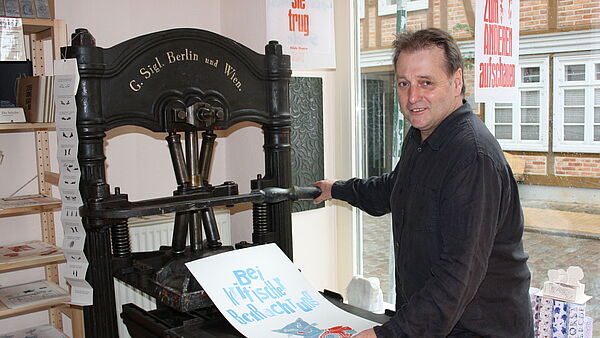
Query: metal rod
180, 232
195, 231
191, 157
210, 227
181, 203
181, 173
193, 165
206, 152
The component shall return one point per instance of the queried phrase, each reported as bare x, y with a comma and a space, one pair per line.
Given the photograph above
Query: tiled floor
556, 236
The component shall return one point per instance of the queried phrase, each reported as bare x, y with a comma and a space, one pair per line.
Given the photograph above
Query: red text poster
305, 30
496, 50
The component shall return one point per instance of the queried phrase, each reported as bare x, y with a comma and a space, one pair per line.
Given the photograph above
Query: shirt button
419, 149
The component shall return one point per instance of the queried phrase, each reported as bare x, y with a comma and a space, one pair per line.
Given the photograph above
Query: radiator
148, 234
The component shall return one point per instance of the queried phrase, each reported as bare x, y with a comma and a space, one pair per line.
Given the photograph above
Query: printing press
178, 82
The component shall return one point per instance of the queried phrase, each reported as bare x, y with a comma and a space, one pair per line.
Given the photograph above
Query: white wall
139, 162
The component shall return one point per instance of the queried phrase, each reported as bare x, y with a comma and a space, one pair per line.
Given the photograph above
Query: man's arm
325, 186
468, 224
371, 195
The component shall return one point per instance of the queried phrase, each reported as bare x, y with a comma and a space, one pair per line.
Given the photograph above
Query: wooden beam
51, 177
552, 14
430, 14
470, 15
444, 15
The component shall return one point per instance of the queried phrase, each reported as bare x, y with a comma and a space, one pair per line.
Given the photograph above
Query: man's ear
457, 82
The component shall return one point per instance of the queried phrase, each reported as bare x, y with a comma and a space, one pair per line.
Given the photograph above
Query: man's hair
410, 41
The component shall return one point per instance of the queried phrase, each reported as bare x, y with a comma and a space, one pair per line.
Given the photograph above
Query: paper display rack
44, 295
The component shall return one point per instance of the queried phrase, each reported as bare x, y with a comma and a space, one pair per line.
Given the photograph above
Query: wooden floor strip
562, 220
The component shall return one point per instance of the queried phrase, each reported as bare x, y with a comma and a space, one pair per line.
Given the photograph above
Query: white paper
496, 50
29, 294
42, 331
262, 294
25, 250
12, 42
81, 292
12, 115
74, 242
66, 82
305, 31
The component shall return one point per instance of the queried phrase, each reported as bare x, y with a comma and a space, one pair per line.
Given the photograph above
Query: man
457, 219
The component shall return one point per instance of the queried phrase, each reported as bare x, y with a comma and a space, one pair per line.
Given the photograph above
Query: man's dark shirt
457, 226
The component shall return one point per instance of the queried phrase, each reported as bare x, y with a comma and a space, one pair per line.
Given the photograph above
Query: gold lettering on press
186, 56
230, 72
135, 86
213, 63
172, 57
152, 69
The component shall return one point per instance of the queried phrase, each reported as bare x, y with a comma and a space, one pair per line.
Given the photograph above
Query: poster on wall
305, 30
496, 50
262, 294
12, 42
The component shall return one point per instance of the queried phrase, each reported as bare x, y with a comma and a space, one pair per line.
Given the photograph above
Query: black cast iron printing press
178, 82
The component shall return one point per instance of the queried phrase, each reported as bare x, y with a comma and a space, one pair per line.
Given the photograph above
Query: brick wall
388, 29
535, 165
534, 15
457, 15
417, 20
371, 35
575, 166
469, 75
578, 12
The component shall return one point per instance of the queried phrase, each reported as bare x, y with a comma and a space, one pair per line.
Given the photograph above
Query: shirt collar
444, 129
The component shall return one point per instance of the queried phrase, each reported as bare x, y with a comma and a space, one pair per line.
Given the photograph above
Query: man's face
426, 93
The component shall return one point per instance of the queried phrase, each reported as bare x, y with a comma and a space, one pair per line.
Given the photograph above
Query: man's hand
325, 186
370, 333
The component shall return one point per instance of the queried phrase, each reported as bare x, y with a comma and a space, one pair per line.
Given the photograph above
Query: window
577, 104
523, 124
387, 7
361, 9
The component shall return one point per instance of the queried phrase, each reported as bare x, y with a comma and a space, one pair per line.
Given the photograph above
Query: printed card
262, 294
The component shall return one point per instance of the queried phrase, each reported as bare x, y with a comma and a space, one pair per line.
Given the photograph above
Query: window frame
385, 9
361, 9
589, 84
515, 143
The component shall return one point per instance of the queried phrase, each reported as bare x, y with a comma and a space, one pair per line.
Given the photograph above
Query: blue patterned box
576, 320
545, 313
559, 319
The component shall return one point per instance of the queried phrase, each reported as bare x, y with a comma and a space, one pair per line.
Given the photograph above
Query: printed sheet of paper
42, 331
12, 42
27, 250
66, 81
25, 201
262, 294
30, 293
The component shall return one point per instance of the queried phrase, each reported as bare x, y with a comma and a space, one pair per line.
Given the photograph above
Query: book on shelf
27, 251
29, 294
11, 8
12, 115
35, 95
45, 331
27, 9
24, 201
42, 9
11, 70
